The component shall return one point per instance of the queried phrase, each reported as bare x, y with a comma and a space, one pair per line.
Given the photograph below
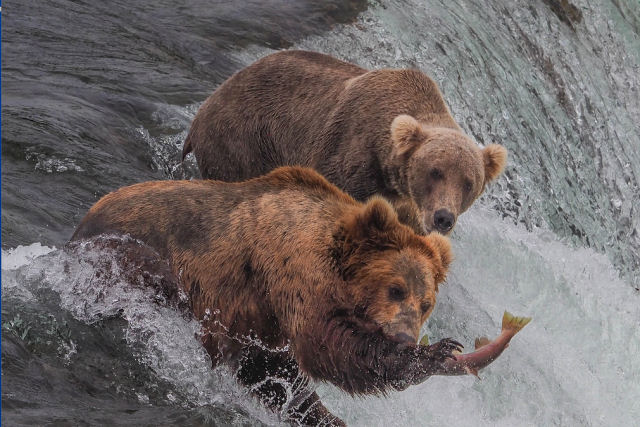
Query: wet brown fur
290, 259
306, 108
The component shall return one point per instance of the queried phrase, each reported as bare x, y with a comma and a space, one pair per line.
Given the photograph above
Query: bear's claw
432, 359
444, 349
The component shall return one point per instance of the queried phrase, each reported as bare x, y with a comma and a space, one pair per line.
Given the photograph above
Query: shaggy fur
385, 132
334, 289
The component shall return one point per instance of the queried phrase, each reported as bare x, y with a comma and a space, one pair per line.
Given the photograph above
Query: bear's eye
396, 293
425, 307
436, 174
467, 186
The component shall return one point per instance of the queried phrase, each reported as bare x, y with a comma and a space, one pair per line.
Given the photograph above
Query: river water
97, 95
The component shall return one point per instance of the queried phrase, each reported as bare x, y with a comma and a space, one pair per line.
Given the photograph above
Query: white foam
23, 255
166, 149
159, 336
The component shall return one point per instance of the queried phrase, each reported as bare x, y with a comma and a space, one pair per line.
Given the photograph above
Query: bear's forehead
452, 154
454, 148
414, 270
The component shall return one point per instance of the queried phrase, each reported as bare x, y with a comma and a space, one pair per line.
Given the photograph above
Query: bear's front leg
273, 376
362, 361
414, 365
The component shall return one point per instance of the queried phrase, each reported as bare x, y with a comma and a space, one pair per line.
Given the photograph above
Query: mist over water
556, 238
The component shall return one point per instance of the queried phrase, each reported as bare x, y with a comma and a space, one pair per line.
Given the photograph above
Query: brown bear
292, 279
385, 132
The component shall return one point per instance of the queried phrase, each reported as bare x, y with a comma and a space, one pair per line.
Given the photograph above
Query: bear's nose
443, 220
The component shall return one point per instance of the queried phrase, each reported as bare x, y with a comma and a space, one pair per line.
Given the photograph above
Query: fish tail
513, 323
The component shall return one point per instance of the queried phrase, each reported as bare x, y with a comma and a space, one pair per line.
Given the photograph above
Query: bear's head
391, 273
441, 169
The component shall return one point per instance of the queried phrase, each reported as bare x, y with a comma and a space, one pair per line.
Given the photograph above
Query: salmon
486, 351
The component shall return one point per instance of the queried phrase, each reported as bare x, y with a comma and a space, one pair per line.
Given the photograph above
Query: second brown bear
291, 278
385, 132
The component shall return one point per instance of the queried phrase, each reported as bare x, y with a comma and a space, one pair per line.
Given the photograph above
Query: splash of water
92, 287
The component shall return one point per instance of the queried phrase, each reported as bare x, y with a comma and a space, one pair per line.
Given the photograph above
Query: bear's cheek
468, 199
427, 314
383, 313
422, 194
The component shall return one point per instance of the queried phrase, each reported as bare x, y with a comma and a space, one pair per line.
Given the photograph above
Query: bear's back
185, 211
310, 109
308, 63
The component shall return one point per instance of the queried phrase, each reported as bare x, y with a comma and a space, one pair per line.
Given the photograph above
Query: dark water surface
81, 78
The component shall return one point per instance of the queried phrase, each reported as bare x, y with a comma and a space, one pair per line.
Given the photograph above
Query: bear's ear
362, 230
442, 255
376, 216
406, 132
494, 157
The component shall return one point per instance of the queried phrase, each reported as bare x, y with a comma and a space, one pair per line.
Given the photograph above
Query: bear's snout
404, 338
443, 220
403, 332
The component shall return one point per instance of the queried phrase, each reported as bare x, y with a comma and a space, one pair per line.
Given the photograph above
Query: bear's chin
403, 340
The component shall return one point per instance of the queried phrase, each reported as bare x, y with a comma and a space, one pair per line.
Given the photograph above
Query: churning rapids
97, 95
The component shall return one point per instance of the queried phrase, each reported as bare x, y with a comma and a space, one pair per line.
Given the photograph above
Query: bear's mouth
399, 333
